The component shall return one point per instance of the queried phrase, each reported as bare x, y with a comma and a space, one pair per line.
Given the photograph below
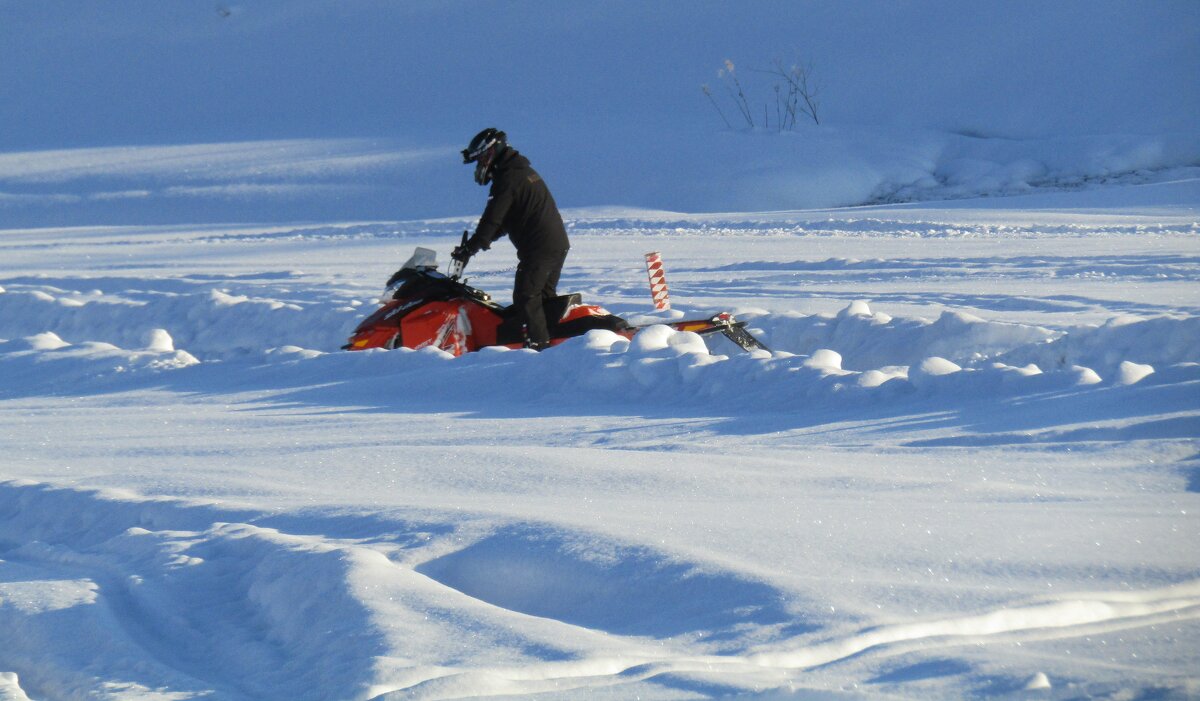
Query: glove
466, 249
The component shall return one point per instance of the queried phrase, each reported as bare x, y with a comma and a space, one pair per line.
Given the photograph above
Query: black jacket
521, 206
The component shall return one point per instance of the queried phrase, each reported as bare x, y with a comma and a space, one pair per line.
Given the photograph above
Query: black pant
536, 282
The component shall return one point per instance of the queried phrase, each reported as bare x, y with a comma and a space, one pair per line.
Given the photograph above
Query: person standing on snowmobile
520, 205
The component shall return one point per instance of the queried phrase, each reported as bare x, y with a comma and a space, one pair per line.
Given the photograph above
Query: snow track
201, 603
300, 613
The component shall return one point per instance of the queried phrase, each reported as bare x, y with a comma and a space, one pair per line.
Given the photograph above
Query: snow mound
200, 315
663, 370
1162, 340
825, 359
1037, 682
869, 340
1086, 376
10, 688
45, 341
837, 357
929, 368
46, 363
159, 341
1131, 373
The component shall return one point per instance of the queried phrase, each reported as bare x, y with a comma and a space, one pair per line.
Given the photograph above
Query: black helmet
483, 150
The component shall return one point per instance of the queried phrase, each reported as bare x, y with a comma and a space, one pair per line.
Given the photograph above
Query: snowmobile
422, 307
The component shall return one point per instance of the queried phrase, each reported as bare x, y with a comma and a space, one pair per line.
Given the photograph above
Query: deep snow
969, 467
969, 462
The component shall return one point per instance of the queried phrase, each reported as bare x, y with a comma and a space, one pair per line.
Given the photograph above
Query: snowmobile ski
725, 324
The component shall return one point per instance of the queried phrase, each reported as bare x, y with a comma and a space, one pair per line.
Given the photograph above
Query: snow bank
869, 340
665, 371
212, 320
73, 338
678, 370
1104, 348
46, 363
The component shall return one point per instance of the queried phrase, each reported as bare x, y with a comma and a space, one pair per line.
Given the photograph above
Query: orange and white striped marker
658, 281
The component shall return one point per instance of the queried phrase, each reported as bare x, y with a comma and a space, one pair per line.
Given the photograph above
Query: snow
1038, 681
967, 467
264, 105
197, 475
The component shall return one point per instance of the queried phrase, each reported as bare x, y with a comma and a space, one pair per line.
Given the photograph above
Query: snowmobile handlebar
458, 258
455, 269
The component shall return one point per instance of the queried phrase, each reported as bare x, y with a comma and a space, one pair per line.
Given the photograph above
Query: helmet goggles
479, 147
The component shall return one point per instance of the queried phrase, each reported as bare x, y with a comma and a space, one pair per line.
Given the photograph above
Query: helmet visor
473, 152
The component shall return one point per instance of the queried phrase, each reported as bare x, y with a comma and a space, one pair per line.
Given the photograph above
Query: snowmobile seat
557, 306
554, 307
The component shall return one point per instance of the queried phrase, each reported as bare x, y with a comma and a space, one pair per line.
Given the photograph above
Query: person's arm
491, 224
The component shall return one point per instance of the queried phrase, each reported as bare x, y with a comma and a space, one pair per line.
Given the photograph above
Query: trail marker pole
658, 281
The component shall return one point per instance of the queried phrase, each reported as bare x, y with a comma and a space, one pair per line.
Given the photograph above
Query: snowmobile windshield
422, 258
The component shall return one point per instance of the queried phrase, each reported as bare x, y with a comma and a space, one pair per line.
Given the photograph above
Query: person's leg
535, 282
550, 289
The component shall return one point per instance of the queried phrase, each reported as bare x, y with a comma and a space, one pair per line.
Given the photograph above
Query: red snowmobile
423, 307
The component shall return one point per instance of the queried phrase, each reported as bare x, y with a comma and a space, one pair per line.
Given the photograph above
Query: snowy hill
966, 469
285, 111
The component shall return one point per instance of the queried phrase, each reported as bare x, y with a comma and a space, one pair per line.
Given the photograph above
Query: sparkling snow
969, 466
